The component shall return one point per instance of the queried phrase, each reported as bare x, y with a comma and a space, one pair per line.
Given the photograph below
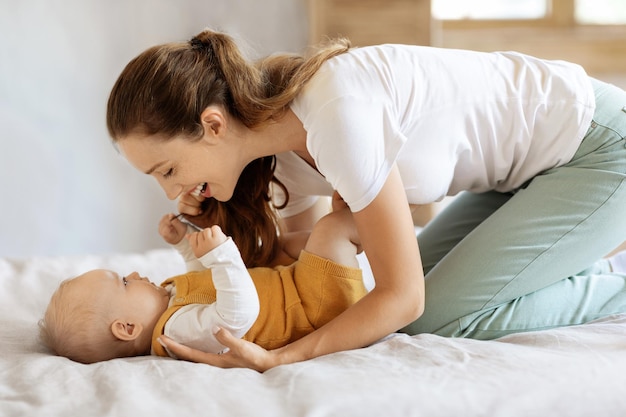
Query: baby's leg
335, 237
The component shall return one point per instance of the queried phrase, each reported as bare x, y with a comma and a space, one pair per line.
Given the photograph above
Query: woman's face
181, 166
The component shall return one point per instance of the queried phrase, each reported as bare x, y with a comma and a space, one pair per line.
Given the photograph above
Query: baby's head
100, 315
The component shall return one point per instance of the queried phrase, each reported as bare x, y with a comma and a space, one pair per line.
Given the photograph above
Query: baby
101, 315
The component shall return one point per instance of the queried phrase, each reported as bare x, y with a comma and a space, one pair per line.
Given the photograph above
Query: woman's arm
388, 238
387, 235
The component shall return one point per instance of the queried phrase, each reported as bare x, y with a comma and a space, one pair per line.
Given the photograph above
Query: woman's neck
283, 135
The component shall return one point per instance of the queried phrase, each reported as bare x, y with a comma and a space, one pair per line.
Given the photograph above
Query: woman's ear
126, 331
213, 122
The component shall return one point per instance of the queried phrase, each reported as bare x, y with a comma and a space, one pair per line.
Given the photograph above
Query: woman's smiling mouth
200, 190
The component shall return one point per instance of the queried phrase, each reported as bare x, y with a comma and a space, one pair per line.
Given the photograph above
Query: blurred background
65, 190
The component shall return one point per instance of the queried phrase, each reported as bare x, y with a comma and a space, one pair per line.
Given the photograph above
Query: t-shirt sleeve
355, 143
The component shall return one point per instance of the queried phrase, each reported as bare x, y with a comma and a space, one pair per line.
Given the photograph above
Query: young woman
534, 148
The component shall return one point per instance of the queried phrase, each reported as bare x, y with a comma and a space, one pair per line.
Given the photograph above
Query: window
589, 32
488, 9
597, 12
600, 12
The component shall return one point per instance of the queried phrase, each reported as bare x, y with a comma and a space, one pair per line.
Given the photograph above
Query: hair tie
197, 43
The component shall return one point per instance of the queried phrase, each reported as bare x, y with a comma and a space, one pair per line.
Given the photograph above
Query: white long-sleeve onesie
237, 305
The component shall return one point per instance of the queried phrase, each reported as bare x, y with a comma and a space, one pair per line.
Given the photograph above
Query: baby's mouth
200, 188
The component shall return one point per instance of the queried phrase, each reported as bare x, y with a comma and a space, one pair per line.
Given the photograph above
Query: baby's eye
124, 281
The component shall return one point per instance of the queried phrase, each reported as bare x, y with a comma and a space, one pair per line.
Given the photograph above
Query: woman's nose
171, 191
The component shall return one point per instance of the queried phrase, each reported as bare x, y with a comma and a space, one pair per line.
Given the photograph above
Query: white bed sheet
575, 371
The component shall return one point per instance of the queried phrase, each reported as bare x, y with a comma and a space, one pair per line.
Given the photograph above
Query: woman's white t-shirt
451, 120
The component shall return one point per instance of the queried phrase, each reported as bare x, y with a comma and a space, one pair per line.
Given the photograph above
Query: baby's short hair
78, 328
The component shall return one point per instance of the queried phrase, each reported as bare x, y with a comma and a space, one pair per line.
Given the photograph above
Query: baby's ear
126, 331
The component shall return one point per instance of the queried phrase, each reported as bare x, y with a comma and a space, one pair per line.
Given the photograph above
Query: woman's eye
168, 173
124, 281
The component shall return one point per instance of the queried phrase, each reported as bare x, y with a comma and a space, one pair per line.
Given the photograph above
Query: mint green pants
500, 263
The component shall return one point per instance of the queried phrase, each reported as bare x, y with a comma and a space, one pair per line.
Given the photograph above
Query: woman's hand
241, 353
189, 204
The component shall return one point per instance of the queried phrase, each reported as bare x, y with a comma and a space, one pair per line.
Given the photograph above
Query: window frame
601, 49
560, 14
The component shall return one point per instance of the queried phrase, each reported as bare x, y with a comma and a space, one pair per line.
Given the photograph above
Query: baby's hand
171, 229
206, 240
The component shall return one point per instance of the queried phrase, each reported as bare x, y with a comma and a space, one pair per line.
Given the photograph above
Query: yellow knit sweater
294, 300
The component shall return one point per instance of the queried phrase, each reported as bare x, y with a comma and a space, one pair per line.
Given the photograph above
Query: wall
64, 188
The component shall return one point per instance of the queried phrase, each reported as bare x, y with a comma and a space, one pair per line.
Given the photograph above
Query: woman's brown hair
165, 89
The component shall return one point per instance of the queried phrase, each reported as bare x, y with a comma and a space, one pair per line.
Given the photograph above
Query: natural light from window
594, 12
601, 12
488, 9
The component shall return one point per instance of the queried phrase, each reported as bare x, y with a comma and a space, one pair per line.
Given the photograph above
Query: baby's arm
237, 300
237, 305
184, 249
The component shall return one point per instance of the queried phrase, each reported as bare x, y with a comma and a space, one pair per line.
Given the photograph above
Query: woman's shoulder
373, 55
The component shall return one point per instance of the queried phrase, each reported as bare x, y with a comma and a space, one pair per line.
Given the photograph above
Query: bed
574, 371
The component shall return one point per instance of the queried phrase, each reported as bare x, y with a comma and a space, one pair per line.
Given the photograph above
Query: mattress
572, 371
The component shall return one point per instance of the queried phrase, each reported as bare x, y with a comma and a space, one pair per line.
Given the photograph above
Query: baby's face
128, 298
